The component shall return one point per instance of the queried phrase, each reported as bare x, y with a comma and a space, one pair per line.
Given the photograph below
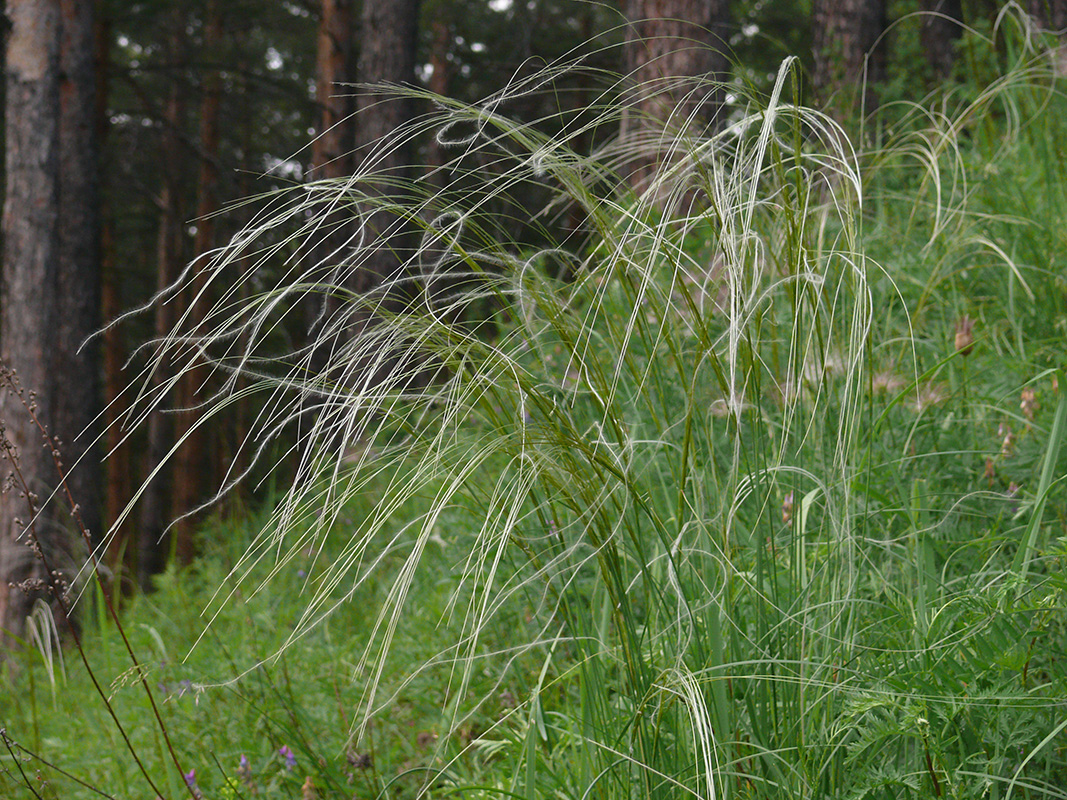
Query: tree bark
121, 555
387, 55
35, 252
331, 158
190, 464
941, 29
844, 33
667, 42
78, 286
388, 31
239, 458
153, 543
441, 75
331, 150
1050, 14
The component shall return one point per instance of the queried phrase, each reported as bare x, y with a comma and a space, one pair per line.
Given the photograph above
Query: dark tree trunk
49, 244
676, 55
331, 158
441, 29
191, 469
331, 150
240, 457
190, 464
387, 55
844, 33
1050, 14
153, 545
31, 256
941, 29
77, 397
121, 556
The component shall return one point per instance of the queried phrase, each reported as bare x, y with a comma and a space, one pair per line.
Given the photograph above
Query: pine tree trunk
676, 57
153, 544
31, 250
844, 35
387, 55
440, 77
121, 556
241, 455
1050, 14
190, 463
941, 29
330, 152
77, 398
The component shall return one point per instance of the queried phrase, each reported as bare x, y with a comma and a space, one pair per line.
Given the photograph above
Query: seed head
1007, 443
1028, 404
964, 335
787, 509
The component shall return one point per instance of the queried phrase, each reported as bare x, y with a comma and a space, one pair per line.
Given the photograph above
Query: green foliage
246, 722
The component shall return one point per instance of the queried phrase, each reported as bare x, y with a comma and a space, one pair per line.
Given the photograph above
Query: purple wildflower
244, 771
289, 756
190, 781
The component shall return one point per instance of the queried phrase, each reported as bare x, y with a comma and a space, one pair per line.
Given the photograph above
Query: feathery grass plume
618, 443
589, 409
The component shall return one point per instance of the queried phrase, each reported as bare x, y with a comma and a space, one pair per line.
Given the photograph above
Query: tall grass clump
697, 451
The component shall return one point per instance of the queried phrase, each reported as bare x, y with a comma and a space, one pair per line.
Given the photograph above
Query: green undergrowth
231, 704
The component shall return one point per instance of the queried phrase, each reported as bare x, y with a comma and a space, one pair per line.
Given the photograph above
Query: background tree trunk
440, 44
77, 398
941, 29
191, 471
152, 542
39, 261
121, 550
331, 150
666, 40
844, 34
388, 41
387, 55
1050, 14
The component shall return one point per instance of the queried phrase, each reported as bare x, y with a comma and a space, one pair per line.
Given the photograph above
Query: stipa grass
675, 459
615, 481
728, 474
